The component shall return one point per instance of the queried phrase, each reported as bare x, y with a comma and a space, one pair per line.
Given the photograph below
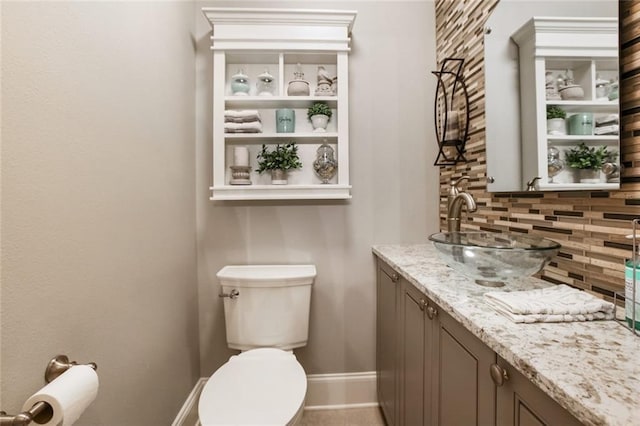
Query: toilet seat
265, 386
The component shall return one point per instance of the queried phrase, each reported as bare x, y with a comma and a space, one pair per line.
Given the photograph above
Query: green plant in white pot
556, 124
587, 161
279, 161
319, 114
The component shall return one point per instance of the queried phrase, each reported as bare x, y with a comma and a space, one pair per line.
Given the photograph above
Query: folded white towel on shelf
250, 127
559, 303
606, 130
242, 115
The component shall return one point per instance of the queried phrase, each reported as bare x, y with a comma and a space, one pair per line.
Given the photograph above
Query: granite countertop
592, 369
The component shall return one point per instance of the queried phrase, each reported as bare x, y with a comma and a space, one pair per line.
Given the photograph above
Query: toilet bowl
266, 309
264, 386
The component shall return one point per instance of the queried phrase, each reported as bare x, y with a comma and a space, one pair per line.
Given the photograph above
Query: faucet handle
531, 185
455, 183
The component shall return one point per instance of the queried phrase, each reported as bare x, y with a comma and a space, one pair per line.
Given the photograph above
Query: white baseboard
188, 414
342, 390
324, 392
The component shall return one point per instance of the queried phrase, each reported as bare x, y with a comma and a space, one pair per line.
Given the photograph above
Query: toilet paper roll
69, 394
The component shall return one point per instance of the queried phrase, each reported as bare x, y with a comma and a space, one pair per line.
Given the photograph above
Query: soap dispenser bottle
631, 268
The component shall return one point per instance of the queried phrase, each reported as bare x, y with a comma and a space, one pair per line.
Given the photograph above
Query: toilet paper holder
41, 412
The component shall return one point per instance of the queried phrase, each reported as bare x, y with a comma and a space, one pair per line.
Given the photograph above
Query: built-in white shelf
281, 42
586, 49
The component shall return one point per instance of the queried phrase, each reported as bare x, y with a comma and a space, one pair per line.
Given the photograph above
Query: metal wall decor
451, 109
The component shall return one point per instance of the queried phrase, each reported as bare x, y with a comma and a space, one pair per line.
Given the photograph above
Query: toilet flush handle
234, 293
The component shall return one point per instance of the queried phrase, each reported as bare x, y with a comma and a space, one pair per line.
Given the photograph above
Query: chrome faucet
454, 211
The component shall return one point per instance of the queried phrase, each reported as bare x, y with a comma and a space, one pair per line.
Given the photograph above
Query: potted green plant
279, 161
319, 114
587, 161
556, 124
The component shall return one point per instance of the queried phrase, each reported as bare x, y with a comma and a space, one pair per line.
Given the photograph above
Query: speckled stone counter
592, 369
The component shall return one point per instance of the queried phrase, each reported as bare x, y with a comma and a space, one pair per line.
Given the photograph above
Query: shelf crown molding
261, 28
556, 36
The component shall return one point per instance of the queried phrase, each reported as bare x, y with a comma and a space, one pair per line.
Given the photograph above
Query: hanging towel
559, 303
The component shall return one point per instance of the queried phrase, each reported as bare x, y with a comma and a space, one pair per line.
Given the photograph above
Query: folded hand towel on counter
559, 303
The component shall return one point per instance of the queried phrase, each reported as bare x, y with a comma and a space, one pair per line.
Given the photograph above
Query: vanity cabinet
280, 43
387, 342
521, 403
443, 374
583, 54
432, 371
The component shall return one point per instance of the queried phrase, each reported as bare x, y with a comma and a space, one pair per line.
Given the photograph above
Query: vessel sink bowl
491, 258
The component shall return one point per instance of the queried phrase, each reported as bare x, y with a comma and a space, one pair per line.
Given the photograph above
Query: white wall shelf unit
280, 41
587, 49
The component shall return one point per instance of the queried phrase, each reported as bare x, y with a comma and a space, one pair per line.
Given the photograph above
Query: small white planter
319, 122
278, 177
556, 126
589, 176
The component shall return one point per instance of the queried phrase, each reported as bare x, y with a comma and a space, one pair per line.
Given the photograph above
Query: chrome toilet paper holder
41, 412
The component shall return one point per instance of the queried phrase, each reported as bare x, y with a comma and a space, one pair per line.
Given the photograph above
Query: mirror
502, 82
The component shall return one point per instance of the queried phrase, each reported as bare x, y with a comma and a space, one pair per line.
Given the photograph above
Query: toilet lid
265, 386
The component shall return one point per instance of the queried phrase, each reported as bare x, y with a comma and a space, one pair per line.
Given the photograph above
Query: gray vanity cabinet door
521, 403
416, 329
388, 283
464, 393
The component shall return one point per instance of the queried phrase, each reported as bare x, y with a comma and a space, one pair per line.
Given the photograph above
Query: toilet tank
272, 308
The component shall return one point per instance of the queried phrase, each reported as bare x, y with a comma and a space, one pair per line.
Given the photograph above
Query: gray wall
98, 202
395, 188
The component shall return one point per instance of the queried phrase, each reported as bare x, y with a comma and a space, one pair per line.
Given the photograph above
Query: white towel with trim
559, 303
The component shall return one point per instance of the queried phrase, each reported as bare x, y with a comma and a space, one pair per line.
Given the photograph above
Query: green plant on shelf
319, 108
554, 111
283, 157
584, 157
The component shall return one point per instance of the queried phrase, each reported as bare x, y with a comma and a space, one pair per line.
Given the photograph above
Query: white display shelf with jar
575, 56
259, 42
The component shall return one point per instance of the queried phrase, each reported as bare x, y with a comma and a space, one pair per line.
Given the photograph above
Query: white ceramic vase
319, 122
556, 126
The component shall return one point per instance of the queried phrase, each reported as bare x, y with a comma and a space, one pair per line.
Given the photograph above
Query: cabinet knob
422, 304
395, 277
498, 374
432, 312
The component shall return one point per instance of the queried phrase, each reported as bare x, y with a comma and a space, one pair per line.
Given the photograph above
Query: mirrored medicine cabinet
553, 55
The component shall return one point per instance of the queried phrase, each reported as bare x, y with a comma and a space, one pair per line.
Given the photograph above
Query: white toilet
266, 309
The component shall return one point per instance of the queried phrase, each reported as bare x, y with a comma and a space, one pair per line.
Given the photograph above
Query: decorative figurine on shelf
569, 91
325, 165
550, 87
265, 84
325, 82
298, 86
240, 84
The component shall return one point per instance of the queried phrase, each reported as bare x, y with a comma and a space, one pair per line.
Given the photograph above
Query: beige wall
395, 189
98, 208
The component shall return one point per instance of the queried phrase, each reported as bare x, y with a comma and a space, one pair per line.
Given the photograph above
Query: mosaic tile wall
591, 226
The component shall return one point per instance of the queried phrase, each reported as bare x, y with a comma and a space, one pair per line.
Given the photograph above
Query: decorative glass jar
265, 84
240, 84
325, 165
